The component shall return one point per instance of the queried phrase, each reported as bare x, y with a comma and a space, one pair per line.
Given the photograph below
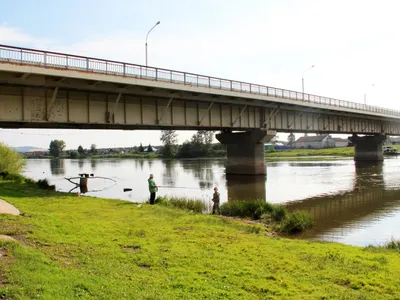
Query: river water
352, 204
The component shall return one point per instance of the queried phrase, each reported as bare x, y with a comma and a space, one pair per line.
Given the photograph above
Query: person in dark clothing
215, 199
152, 189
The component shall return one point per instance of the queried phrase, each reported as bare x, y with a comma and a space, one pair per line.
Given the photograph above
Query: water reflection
139, 164
57, 167
93, 164
339, 214
368, 175
245, 187
203, 170
169, 174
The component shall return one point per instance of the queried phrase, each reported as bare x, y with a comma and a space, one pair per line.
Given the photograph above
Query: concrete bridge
42, 89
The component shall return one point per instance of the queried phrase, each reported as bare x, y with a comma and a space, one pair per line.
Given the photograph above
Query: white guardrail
95, 65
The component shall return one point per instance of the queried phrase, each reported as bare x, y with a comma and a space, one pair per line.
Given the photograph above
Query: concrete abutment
245, 151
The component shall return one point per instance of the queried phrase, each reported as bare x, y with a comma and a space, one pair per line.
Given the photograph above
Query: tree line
200, 145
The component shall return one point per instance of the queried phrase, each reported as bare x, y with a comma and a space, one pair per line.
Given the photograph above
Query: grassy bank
81, 247
345, 151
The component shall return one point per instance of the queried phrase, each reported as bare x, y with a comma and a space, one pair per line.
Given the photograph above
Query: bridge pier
245, 151
368, 148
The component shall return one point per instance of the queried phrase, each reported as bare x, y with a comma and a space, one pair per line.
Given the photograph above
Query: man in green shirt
152, 189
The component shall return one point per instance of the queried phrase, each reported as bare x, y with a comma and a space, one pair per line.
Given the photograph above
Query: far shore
291, 154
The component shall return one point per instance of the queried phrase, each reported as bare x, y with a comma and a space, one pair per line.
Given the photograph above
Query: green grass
345, 151
80, 247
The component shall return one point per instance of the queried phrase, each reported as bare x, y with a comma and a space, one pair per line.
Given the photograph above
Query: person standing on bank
152, 189
215, 199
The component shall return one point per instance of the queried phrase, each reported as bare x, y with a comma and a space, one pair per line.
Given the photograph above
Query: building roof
308, 139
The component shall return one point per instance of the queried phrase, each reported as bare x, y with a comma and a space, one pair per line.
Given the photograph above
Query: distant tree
81, 151
93, 148
56, 147
11, 161
197, 138
291, 139
73, 154
149, 148
207, 139
169, 138
141, 148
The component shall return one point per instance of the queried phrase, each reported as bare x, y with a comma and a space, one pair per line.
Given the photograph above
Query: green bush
12, 177
246, 209
44, 184
278, 213
11, 161
297, 222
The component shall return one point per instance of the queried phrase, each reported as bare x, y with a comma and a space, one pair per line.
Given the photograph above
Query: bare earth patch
132, 249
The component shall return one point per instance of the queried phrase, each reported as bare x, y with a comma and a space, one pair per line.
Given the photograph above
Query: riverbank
71, 247
293, 153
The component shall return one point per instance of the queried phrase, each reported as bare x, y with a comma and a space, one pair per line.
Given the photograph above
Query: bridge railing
94, 65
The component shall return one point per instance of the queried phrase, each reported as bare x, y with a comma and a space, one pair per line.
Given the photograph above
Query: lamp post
365, 96
302, 79
147, 36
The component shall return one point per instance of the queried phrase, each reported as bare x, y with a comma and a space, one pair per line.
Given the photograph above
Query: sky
354, 46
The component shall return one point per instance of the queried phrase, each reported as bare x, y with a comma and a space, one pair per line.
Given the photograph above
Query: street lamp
302, 79
365, 96
147, 36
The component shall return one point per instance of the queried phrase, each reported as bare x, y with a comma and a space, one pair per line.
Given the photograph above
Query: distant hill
25, 149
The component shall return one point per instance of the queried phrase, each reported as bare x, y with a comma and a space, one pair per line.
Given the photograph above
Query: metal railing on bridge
95, 65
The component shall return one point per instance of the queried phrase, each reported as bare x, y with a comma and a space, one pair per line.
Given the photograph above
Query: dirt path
7, 208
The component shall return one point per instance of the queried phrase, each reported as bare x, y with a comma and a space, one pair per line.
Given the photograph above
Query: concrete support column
245, 151
367, 148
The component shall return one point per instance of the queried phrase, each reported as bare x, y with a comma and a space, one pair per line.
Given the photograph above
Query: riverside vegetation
274, 216
82, 247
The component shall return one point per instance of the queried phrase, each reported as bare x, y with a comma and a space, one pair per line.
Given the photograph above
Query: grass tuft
193, 205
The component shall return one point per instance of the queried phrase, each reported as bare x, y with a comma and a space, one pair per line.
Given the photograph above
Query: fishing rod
79, 177
168, 187
177, 187
93, 191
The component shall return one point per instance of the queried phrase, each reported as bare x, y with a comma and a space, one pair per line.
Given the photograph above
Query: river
352, 204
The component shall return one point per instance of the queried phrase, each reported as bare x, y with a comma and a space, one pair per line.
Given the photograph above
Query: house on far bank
320, 141
154, 149
36, 152
341, 142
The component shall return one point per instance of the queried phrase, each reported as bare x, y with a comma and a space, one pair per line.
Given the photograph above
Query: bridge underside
46, 97
68, 99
